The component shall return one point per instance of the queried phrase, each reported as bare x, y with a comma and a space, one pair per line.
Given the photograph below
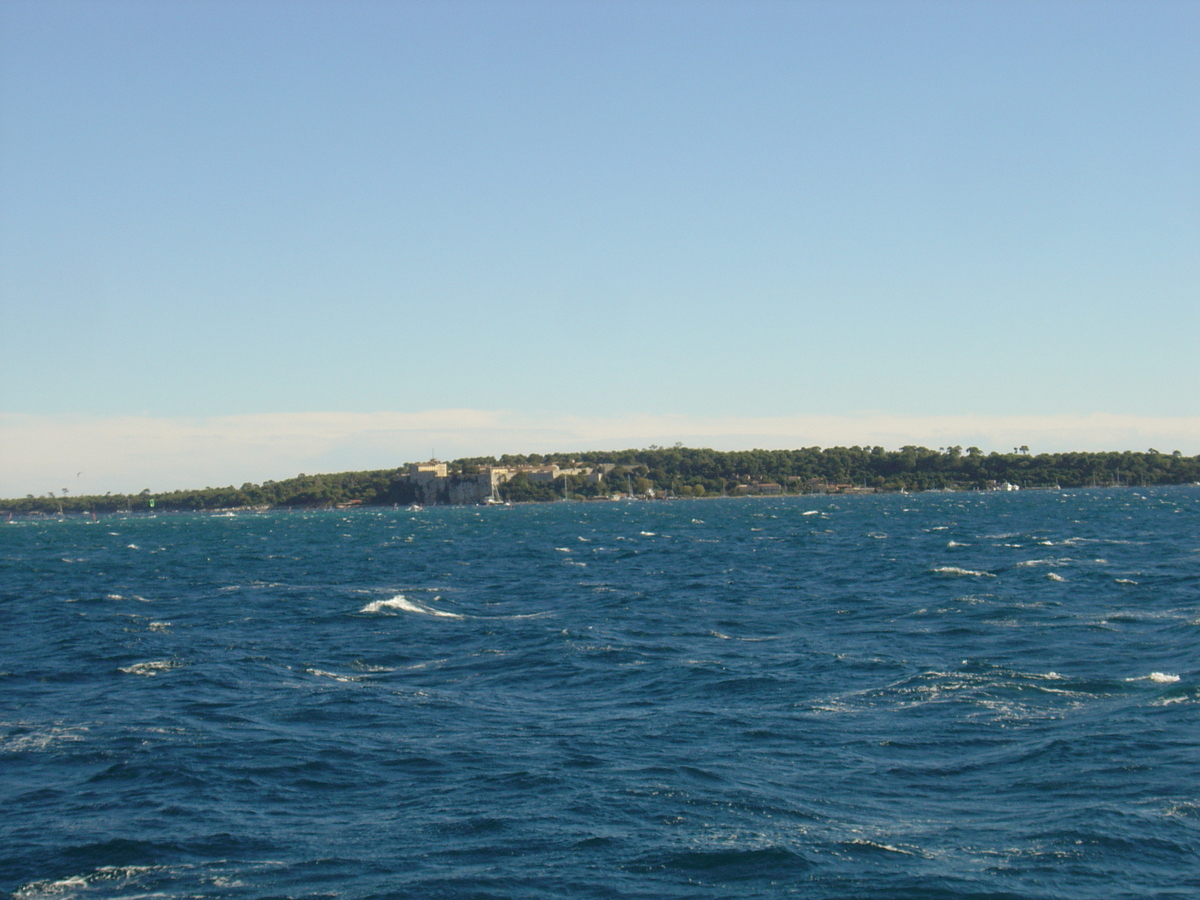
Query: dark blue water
927, 696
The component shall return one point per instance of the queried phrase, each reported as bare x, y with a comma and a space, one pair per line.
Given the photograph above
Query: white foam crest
400, 602
955, 570
1169, 701
647, 533
811, 512
875, 845
150, 668
1157, 678
40, 740
1054, 563
65, 888
956, 544
368, 667
321, 673
1054, 576
988, 694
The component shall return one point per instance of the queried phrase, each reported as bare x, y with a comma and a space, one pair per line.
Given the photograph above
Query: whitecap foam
62, 887
150, 668
875, 845
38, 740
955, 570
1054, 576
400, 602
368, 667
1055, 563
66, 888
1157, 678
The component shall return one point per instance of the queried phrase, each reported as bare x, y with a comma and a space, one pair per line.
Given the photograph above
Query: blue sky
713, 222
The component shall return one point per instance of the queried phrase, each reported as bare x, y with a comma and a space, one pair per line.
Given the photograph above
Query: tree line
676, 471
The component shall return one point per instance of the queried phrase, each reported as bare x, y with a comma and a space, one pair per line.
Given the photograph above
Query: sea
985, 696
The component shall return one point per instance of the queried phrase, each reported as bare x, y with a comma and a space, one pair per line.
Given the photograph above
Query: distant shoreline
654, 473
217, 511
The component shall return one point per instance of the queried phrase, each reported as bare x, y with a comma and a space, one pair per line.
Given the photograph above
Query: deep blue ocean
931, 696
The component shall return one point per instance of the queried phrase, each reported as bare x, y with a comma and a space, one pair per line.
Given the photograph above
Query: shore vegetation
675, 472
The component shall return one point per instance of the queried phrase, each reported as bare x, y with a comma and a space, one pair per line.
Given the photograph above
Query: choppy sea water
926, 696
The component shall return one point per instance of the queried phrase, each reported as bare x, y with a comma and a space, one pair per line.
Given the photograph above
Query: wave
150, 668
862, 844
400, 602
1157, 678
955, 570
1058, 563
102, 877
25, 739
728, 863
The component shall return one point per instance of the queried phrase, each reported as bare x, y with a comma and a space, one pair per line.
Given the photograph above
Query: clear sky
540, 226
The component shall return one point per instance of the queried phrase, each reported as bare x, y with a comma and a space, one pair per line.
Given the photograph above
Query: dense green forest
680, 472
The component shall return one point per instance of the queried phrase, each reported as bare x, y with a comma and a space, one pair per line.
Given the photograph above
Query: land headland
657, 473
